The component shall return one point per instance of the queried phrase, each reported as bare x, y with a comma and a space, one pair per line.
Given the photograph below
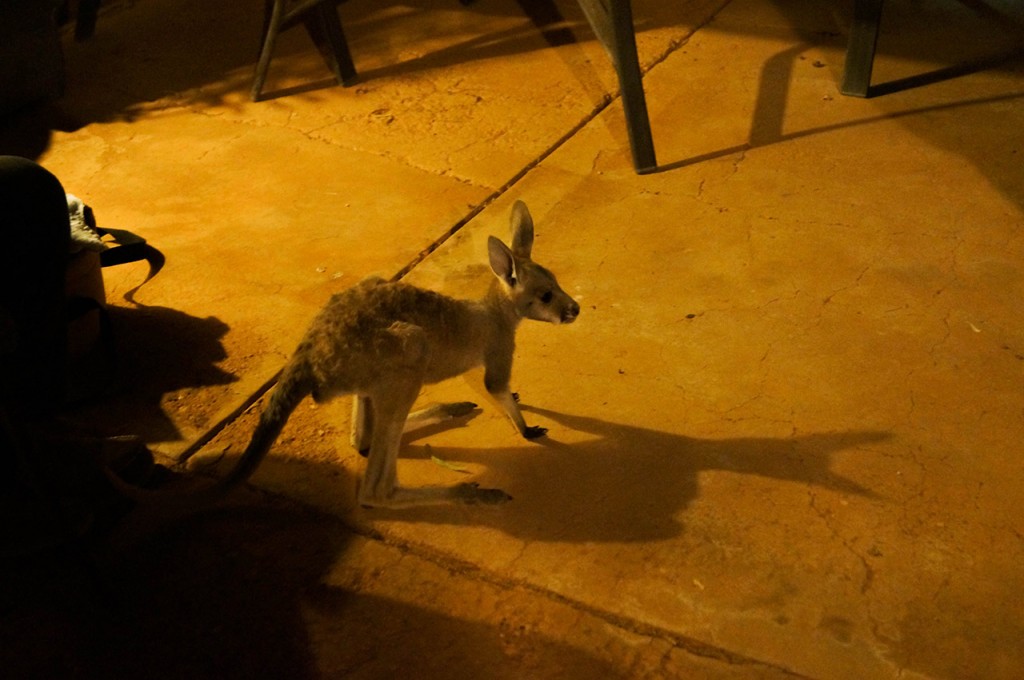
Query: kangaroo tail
292, 388
294, 384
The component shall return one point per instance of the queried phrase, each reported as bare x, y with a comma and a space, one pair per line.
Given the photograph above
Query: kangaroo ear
522, 230
503, 264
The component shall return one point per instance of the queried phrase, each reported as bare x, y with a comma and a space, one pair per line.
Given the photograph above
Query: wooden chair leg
860, 54
320, 18
271, 27
612, 21
324, 28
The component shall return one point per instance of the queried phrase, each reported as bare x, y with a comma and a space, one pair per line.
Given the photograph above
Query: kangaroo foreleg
510, 403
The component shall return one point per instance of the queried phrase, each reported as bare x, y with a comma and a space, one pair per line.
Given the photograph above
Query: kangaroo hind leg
380, 483
362, 419
439, 413
362, 423
390, 406
390, 401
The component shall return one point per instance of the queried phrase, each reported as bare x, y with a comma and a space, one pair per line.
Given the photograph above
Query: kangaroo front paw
534, 432
470, 493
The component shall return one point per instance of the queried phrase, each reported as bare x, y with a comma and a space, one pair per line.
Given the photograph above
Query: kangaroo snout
571, 312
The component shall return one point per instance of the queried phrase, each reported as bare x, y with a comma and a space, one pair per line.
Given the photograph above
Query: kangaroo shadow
628, 483
155, 351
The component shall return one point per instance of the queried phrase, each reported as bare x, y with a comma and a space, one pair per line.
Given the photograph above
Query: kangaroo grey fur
382, 341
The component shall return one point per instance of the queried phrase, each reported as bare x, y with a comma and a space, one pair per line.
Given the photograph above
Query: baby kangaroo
381, 342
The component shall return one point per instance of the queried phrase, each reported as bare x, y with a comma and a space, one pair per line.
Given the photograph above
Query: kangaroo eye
546, 297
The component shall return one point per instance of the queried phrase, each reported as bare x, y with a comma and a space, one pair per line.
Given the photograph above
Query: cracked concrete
782, 435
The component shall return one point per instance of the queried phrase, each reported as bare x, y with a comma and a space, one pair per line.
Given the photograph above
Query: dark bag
89, 329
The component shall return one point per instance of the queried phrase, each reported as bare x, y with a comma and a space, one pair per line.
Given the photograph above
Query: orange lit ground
784, 432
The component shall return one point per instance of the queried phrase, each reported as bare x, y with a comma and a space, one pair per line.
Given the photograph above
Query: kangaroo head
532, 289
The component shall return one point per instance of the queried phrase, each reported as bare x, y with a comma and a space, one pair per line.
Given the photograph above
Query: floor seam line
504, 188
470, 570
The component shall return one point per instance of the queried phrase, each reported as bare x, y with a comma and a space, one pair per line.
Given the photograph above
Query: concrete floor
784, 432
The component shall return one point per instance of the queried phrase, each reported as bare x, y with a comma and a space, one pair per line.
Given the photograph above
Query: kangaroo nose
571, 313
